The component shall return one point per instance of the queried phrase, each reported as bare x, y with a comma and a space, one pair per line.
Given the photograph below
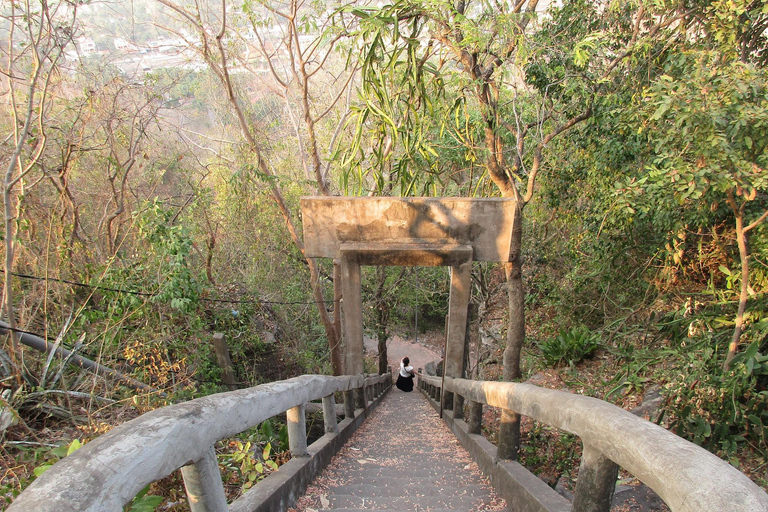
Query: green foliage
144, 502
706, 122
548, 452
254, 454
722, 411
400, 107
249, 469
570, 346
172, 248
55, 455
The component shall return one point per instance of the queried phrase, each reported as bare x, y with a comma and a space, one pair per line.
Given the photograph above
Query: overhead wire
154, 294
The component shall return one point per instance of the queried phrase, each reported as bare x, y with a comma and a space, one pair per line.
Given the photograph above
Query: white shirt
405, 371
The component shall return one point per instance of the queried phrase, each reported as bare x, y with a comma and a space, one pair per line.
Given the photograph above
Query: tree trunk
383, 357
15, 352
328, 324
509, 434
382, 318
336, 363
741, 239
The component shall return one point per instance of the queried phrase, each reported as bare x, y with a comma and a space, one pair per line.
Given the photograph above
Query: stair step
404, 459
410, 490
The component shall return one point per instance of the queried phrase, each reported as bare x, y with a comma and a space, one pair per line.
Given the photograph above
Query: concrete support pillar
456, 326
353, 322
297, 431
475, 420
597, 481
353, 314
329, 415
349, 405
202, 481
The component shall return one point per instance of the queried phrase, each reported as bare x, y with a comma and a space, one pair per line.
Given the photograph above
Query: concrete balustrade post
349, 405
475, 421
597, 481
329, 415
447, 400
202, 481
509, 435
458, 406
297, 431
360, 402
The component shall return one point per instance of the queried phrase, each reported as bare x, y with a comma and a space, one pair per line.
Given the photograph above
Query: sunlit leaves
708, 130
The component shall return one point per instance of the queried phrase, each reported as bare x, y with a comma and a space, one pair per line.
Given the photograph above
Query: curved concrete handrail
108, 472
687, 477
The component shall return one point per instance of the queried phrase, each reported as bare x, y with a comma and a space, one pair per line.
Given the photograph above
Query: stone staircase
402, 458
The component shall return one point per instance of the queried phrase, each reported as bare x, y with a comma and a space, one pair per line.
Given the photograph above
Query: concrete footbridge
384, 449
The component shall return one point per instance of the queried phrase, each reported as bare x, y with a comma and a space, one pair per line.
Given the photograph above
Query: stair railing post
458, 406
597, 481
475, 421
297, 431
202, 481
329, 415
509, 435
349, 405
360, 398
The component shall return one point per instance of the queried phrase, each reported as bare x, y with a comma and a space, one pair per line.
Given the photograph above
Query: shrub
570, 346
721, 410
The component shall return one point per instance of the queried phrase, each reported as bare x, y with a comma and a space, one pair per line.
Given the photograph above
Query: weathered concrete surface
109, 471
202, 481
687, 477
485, 224
423, 255
597, 481
458, 306
352, 314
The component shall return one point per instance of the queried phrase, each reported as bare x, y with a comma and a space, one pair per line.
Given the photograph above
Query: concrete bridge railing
108, 472
687, 477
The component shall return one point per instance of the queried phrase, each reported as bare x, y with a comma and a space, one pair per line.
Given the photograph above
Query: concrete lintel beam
484, 223
424, 255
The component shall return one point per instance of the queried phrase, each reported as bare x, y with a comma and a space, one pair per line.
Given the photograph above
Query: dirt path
398, 348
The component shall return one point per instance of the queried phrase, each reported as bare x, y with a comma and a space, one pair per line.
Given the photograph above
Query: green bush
721, 410
570, 347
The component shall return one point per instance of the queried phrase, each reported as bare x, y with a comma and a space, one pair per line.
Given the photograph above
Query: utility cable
154, 294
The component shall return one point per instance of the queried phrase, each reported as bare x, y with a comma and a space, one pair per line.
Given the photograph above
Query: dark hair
406, 361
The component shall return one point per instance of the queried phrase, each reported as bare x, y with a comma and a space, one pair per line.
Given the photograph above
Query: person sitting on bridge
405, 377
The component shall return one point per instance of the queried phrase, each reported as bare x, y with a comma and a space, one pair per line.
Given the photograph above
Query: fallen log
39, 344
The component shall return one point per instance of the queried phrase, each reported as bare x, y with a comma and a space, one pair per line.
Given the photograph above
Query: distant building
86, 45
124, 46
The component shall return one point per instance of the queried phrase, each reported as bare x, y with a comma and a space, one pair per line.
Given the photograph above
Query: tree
38, 35
515, 82
706, 121
293, 65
